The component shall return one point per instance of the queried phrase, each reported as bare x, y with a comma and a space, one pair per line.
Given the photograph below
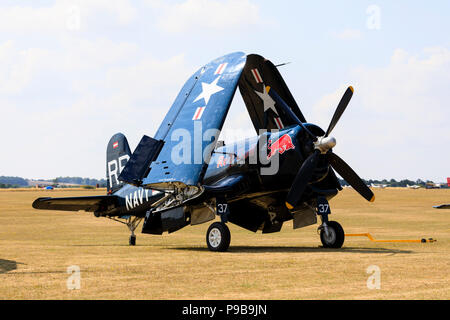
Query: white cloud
17, 66
398, 117
150, 77
62, 15
324, 108
63, 103
29, 19
208, 15
413, 87
72, 57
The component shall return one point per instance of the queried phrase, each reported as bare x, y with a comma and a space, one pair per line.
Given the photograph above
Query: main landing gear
218, 237
331, 233
334, 235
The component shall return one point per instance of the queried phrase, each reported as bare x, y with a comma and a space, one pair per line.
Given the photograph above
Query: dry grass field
37, 247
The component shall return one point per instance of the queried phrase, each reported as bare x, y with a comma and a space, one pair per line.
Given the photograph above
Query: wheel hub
330, 236
215, 237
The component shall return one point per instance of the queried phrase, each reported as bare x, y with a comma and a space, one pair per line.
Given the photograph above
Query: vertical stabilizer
117, 155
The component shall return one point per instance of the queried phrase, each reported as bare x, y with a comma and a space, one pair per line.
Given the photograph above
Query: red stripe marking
203, 110
257, 75
198, 113
279, 123
220, 68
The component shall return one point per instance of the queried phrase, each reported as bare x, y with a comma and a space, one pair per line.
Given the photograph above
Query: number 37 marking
222, 208
324, 208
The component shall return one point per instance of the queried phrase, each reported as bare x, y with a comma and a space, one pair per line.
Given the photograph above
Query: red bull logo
281, 145
225, 160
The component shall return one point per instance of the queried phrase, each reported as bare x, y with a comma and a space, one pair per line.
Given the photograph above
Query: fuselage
135, 200
274, 158
270, 160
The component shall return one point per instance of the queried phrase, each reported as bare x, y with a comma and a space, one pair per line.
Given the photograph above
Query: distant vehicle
376, 185
432, 185
48, 188
414, 186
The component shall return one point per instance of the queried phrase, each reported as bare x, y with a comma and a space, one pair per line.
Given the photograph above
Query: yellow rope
368, 235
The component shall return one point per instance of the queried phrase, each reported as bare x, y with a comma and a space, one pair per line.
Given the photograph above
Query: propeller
289, 113
322, 145
350, 176
301, 180
340, 109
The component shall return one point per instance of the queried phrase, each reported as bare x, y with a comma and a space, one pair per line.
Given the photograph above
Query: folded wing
258, 74
193, 123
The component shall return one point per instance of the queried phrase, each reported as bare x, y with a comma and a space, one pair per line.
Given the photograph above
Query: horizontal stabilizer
442, 206
90, 204
137, 167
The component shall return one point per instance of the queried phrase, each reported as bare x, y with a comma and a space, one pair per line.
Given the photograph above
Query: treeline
393, 182
18, 182
8, 186
12, 182
80, 181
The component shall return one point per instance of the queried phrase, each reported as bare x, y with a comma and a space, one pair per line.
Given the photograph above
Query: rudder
117, 155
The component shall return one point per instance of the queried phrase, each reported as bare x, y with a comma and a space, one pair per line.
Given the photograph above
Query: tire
218, 237
336, 237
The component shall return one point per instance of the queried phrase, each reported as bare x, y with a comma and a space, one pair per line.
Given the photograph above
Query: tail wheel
132, 241
335, 237
218, 237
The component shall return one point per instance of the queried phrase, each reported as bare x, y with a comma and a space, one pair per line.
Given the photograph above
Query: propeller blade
350, 176
287, 110
340, 109
301, 180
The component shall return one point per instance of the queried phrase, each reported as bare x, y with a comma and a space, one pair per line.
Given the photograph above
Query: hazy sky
73, 73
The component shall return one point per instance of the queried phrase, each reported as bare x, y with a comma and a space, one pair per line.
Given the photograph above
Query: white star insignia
268, 102
208, 89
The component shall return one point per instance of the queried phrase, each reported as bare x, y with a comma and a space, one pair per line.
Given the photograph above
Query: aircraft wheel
218, 237
336, 236
132, 240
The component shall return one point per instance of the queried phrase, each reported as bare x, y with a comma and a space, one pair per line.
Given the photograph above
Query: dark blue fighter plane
184, 176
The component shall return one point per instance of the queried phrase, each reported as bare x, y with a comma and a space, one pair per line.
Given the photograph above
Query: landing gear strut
218, 236
132, 223
331, 233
